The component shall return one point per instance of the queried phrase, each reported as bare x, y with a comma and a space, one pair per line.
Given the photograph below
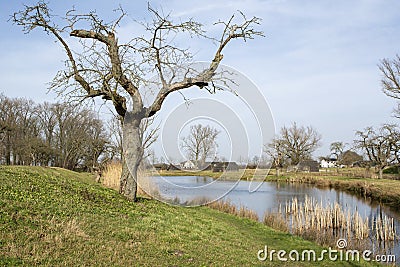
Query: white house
188, 165
328, 163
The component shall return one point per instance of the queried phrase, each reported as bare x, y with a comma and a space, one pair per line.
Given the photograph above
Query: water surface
269, 196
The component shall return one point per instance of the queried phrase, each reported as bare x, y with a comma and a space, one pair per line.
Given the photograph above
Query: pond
269, 196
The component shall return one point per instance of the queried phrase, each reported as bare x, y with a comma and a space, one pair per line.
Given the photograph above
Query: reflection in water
269, 196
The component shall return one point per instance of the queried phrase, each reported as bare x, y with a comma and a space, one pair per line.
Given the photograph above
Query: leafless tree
48, 121
49, 134
148, 132
20, 130
200, 143
337, 149
275, 151
381, 145
105, 68
294, 144
390, 69
114, 127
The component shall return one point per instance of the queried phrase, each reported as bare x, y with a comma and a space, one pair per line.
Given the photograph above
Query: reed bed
313, 216
111, 178
384, 229
276, 221
324, 224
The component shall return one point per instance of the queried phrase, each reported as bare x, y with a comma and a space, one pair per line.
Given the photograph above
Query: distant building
188, 165
328, 163
352, 159
160, 166
165, 167
206, 166
173, 167
224, 166
308, 166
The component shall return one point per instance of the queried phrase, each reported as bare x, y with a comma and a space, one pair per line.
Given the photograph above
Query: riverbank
56, 217
382, 190
385, 191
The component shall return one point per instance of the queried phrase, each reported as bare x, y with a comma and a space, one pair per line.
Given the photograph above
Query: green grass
55, 217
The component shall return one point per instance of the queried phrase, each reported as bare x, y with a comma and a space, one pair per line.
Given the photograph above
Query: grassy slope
57, 217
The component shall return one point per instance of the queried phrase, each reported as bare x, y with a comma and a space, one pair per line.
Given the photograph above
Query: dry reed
276, 221
313, 216
324, 224
111, 178
111, 175
227, 207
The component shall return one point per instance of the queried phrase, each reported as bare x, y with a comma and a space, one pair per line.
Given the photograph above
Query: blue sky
316, 66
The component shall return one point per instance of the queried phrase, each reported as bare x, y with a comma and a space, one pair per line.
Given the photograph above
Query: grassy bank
55, 217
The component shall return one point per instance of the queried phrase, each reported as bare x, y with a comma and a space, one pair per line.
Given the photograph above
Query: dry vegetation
276, 221
326, 223
112, 174
227, 207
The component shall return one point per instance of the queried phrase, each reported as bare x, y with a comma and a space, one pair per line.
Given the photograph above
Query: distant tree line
52, 134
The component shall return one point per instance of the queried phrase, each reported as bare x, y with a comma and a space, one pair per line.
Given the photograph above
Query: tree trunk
131, 157
8, 155
380, 173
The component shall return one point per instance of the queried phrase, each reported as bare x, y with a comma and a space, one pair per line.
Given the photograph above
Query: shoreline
385, 191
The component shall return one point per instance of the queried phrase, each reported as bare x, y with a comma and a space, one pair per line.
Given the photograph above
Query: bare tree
8, 122
390, 69
381, 146
275, 151
19, 130
113, 71
294, 144
200, 143
114, 127
148, 132
60, 135
337, 149
48, 121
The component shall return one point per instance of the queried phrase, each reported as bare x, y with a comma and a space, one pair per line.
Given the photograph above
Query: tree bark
132, 155
380, 173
